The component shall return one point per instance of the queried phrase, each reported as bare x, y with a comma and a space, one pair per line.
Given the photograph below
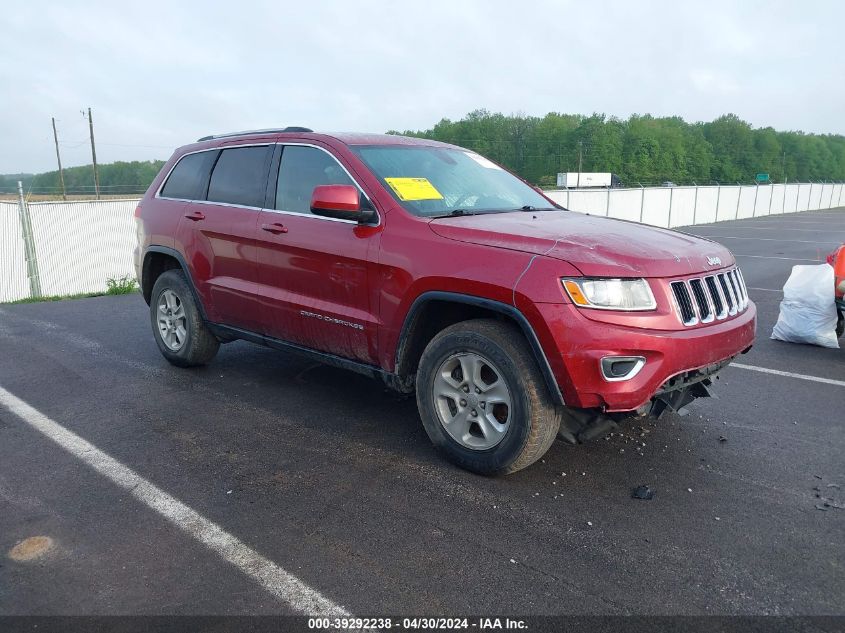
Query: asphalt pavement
331, 478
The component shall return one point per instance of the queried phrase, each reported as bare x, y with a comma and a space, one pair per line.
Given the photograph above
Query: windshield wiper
454, 213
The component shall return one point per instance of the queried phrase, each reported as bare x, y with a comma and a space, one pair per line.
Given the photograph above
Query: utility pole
783, 168
59, 160
580, 162
93, 154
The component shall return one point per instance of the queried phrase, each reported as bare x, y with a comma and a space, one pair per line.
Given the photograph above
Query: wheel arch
433, 311
160, 259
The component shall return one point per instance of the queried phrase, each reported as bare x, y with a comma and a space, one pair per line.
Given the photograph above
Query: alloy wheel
472, 400
172, 323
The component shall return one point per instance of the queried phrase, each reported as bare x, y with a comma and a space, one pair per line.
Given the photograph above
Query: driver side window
301, 169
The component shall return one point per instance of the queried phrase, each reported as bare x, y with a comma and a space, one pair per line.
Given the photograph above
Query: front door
313, 272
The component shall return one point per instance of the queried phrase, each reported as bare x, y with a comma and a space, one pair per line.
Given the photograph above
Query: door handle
275, 228
195, 215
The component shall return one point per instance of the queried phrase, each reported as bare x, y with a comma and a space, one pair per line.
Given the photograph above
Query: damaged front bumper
676, 364
583, 425
680, 390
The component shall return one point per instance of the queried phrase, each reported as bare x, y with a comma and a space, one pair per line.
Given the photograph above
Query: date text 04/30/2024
417, 624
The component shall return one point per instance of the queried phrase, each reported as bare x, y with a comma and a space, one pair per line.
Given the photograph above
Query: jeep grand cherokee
431, 268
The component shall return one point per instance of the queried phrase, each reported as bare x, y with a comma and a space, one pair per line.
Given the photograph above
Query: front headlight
610, 294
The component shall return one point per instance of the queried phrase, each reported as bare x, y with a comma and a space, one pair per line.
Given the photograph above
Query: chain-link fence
64, 248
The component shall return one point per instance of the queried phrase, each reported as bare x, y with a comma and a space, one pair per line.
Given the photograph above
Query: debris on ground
827, 502
722, 438
642, 492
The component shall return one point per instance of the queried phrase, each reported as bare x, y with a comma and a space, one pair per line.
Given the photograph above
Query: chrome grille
710, 298
684, 303
727, 294
705, 312
716, 297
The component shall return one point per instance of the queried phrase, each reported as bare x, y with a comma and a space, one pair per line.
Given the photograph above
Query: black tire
199, 345
534, 420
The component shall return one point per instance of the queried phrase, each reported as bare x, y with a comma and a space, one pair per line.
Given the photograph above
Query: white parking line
789, 374
788, 229
764, 239
277, 581
789, 259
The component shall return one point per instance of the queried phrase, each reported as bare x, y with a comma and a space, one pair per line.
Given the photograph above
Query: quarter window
239, 177
187, 178
301, 169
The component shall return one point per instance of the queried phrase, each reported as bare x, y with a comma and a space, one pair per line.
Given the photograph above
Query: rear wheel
182, 336
483, 400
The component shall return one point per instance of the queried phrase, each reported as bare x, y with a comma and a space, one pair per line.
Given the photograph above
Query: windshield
440, 181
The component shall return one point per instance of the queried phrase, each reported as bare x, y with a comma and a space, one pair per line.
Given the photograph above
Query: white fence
683, 206
80, 245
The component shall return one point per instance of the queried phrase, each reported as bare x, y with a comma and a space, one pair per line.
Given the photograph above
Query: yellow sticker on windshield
414, 189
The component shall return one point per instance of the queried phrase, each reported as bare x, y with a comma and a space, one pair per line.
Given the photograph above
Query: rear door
313, 271
218, 235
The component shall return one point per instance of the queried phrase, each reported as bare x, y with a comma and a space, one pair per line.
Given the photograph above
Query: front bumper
580, 343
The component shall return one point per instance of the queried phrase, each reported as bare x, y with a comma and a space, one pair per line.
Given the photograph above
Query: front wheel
483, 401
181, 334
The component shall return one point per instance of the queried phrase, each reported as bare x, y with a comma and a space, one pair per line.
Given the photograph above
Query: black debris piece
642, 492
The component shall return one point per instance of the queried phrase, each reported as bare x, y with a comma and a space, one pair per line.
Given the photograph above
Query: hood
595, 245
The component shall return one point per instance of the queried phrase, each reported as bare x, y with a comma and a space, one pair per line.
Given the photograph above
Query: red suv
433, 269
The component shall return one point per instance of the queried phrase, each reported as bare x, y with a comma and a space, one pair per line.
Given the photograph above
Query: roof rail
290, 128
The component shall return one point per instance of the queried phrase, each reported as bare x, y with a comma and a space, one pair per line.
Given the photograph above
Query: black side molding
495, 306
391, 380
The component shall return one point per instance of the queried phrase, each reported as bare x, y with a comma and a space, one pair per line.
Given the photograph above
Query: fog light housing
618, 368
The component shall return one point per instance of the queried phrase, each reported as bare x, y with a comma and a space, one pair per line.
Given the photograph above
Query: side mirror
339, 201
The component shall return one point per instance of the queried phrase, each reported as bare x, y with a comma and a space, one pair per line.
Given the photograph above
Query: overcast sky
161, 74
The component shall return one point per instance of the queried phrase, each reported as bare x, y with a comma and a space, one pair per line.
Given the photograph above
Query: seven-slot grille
709, 298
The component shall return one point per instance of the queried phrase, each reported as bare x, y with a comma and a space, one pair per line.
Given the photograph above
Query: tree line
640, 150
643, 149
115, 178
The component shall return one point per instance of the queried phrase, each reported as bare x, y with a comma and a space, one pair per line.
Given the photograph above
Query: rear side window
240, 176
302, 169
187, 178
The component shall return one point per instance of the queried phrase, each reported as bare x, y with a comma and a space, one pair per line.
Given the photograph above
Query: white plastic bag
808, 311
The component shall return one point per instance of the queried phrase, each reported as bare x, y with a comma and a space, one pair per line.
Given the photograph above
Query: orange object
839, 271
